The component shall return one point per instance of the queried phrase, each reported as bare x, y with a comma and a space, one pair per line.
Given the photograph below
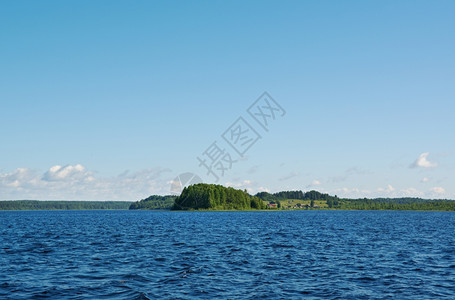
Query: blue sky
104, 100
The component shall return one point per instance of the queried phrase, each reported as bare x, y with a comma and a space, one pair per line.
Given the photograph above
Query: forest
154, 202
395, 204
62, 205
216, 197
297, 195
333, 202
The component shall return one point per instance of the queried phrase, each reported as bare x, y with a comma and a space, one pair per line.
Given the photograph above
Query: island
204, 196
217, 197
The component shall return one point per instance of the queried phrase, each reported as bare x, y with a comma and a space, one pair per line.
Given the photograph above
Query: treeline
396, 204
297, 195
216, 197
333, 202
154, 202
62, 205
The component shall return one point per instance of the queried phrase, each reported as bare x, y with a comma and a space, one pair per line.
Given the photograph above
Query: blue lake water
234, 255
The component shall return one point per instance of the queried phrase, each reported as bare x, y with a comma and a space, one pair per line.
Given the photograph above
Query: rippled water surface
235, 255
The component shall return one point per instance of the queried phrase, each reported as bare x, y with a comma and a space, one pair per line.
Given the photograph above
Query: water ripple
234, 255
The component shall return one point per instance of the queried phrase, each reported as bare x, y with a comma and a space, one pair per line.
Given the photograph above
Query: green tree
213, 197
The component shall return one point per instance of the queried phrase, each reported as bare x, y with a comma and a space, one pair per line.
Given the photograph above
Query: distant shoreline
258, 210
165, 203
34, 205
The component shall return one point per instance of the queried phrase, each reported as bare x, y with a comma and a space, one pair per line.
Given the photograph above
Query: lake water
234, 255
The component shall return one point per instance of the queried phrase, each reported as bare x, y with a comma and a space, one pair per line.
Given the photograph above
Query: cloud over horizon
423, 162
74, 182
438, 190
314, 183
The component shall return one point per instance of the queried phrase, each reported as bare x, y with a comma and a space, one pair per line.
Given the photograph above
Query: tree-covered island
217, 197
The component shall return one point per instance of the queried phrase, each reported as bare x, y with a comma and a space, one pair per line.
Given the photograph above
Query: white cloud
392, 192
438, 190
423, 162
314, 183
252, 187
410, 192
15, 183
388, 189
349, 192
263, 189
245, 183
425, 179
17, 178
76, 183
68, 172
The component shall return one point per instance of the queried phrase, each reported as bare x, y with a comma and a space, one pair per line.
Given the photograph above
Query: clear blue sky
105, 100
